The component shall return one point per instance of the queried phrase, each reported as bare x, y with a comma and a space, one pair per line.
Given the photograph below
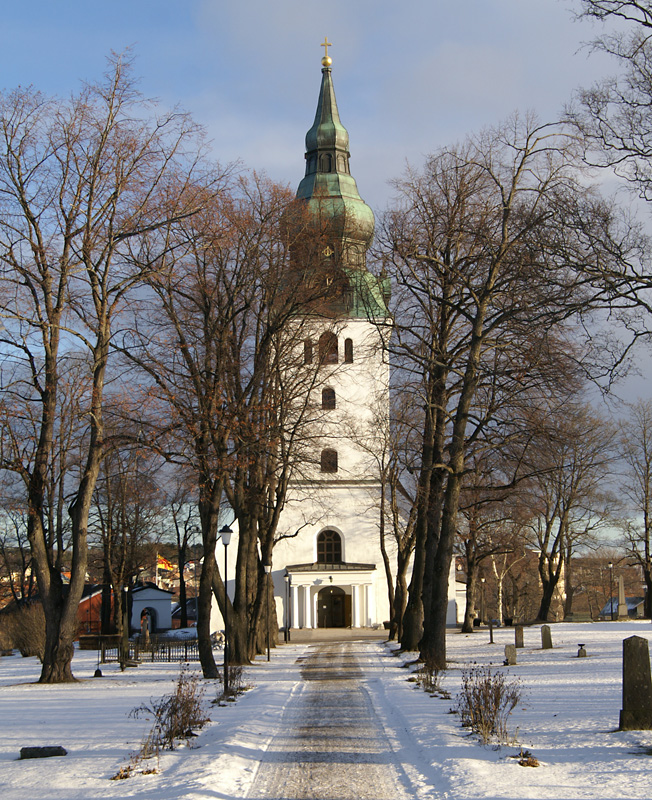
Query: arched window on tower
307, 351
328, 460
328, 348
348, 351
329, 548
328, 399
326, 162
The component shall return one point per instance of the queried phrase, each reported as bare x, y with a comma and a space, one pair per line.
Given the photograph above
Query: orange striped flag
163, 563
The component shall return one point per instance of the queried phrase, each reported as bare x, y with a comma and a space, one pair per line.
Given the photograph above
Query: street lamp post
482, 582
611, 589
286, 634
268, 571
125, 628
225, 534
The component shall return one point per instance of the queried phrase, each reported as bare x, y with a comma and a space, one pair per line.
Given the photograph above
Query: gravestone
581, 653
518, 636
546, 638
622, 601
636, 713
510, 655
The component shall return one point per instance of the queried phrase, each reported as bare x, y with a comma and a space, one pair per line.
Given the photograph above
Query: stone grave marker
510, 655
546, 638
636, 713
622, 600
518, 636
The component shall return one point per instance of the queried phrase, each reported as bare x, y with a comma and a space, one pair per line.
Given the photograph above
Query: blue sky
409, 76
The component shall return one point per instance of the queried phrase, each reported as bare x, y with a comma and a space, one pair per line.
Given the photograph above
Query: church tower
333, 565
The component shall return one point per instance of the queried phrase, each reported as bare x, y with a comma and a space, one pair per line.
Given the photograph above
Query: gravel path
331, 745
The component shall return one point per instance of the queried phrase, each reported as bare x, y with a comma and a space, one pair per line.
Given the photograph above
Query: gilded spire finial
326, 60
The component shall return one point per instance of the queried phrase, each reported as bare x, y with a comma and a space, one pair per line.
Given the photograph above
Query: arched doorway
333, 611
148, 620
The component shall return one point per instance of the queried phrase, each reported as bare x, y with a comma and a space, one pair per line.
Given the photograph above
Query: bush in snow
175, 715
24, 629
429, 677
486, 701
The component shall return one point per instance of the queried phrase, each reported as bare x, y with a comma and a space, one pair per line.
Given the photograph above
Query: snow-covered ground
568, 721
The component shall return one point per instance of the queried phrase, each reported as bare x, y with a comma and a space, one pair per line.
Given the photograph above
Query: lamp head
225, 534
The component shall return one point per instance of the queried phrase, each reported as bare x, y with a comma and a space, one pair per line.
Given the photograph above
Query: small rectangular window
328, 399
348, 351
329, 460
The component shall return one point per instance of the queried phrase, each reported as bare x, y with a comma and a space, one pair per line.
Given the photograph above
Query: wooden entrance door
331, 606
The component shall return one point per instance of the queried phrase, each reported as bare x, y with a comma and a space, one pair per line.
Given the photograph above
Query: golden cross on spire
326, 60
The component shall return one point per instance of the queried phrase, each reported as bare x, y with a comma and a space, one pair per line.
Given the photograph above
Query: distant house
191, 613
89, 612
635, 608
148, 600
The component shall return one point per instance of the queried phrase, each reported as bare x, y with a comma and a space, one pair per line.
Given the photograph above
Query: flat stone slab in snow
43, 752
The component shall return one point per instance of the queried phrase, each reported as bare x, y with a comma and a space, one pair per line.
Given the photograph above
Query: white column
355, 602
295, 622
370, 604
307, 610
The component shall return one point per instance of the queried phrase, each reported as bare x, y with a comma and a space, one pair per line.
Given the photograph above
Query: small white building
148, 599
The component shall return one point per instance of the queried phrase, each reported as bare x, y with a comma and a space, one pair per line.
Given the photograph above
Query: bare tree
488, 531
636, 449
571, 461
483, 252
125, 519
80, 181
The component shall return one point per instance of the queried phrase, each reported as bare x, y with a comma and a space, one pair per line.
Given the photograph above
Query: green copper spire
341, 215
328, 185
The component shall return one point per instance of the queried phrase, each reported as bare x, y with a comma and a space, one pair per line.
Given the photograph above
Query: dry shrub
486, 701
175, 715
24, 629
429, 677
6, 637
236, 683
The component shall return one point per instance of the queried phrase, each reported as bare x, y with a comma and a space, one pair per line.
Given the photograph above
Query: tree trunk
471, 594
204, 602
59, 636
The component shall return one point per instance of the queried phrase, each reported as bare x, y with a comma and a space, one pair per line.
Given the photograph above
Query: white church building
330, 573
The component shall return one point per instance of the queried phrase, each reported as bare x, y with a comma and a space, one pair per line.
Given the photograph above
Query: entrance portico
332, 595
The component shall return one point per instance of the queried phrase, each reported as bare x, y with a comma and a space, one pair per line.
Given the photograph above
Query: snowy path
331, 743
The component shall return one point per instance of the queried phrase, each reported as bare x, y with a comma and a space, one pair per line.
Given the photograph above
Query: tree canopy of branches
613, 119
220, 345
485, 249
81, 182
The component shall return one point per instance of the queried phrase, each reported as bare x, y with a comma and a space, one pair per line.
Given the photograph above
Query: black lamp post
225, 534
286, 635
611, 589
125, 627
268, 572
482, 609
